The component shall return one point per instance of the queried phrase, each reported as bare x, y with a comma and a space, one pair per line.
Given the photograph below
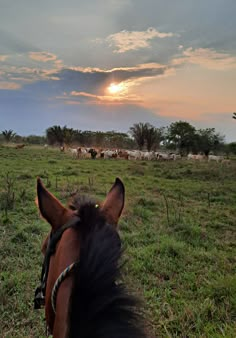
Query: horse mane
100, 306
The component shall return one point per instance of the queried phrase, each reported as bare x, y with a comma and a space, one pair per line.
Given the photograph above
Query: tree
8, 135
208, 140
232, 147
55, 134
68, 135
61, 136
182, 136
150, 136
138, 132
153, 136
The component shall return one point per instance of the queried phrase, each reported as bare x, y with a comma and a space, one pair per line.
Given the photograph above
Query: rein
39, 298
58, 282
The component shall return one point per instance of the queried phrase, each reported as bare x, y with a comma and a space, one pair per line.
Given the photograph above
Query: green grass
178, 230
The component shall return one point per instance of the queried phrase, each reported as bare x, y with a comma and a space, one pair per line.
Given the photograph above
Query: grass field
178, 229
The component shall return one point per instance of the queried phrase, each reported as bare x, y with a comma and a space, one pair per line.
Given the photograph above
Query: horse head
79, 281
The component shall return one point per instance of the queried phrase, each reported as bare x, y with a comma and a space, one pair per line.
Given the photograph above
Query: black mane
100, 306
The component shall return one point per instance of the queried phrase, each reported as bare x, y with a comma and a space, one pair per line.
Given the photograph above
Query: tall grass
178, 230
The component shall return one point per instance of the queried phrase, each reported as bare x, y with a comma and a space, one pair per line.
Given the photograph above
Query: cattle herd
83, 153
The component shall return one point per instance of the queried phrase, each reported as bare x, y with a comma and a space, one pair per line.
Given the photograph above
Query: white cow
163, 157
191, 156
134, 154
73, 151
215, 158
197, 157
82, 152
175, 157
147, 155
110, 153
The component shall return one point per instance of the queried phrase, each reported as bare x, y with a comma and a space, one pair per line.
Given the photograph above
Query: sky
107, 64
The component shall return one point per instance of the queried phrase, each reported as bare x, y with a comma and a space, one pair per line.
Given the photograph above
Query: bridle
39, 298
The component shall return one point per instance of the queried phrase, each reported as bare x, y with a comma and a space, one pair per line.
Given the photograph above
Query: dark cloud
93, 82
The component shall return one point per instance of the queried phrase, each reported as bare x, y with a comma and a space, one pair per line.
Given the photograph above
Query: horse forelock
88, 211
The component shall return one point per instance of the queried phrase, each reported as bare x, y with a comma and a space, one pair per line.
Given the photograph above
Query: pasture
178, 230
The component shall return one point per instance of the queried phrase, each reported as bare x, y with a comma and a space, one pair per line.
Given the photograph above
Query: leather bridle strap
39, 299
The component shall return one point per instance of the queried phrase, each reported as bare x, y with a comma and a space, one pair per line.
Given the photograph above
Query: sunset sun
115, 88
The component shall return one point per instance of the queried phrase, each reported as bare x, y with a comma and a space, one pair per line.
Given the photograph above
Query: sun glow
115, 88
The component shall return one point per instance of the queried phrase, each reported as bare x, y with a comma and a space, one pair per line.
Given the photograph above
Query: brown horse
81, 270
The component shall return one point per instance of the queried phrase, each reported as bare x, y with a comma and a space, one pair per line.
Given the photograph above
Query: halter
39, 298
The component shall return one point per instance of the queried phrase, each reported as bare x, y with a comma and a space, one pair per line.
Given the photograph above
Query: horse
80, 281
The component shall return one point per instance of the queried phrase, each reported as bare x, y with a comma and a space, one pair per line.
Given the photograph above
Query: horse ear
50, 207
114, 203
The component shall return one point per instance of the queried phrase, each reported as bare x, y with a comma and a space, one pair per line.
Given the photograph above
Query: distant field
178, 228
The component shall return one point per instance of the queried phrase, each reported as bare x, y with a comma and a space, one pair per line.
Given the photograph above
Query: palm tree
153, 136
55, 134
68, 135
8, 135
138, 131
150, 136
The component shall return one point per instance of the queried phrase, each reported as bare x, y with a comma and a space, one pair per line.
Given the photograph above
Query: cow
19, 146
134, 154
93, 153
123, 154
109, 154
82, 152
148, 155
164, 157
215, 158
74, 152
197, 157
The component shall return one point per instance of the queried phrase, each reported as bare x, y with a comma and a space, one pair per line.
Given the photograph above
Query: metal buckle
39, 299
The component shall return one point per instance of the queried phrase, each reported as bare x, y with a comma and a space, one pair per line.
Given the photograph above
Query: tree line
179, 136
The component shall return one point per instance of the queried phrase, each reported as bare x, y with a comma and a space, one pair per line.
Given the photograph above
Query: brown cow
123, 154
19, 146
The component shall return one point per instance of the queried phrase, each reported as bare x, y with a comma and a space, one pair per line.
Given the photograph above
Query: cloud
42, 56
125, 41
24, 75
208, 58
42, 69
95, 80
83, 97
22, 70
3, 57
9, 85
